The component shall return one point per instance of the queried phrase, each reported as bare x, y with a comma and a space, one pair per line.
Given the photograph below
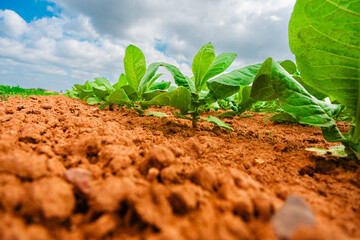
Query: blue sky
54, 44
28, 9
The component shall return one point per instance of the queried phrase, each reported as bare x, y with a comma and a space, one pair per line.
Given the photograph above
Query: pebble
81, 178
294, 213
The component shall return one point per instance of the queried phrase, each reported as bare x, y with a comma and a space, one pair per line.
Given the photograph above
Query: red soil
71, 171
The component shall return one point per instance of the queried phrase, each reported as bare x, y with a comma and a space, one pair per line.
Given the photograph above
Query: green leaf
101, 81
220, 64
135, 66
228, 84
119, 97
151, 94
319, 95
228, 114
218, 122
152, 82
101, 92
83, 91
160, 85
130, 92
246, 101
171, 88
179, 78
148, 76
201, 64
273, 81
289, 66
104, 105
87, 86
122, 82
283, 117
324, 36
157, 114
93, 100
79, 87
247, 115
179, 98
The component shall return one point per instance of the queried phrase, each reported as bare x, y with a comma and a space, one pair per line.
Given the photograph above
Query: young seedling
136, 85
206, 65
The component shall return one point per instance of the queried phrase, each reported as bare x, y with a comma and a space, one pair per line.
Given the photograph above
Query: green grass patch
17, 91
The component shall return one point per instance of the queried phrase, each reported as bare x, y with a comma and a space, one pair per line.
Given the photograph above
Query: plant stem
195, 118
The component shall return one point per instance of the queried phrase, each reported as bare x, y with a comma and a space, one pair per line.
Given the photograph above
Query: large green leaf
273, 81
101, 81
201, 64
220, 64
228, 84
319, 95
325, 38
179, 98
135, 66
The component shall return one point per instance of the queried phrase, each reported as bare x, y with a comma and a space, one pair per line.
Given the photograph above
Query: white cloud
11, 24
89, 37
274, 18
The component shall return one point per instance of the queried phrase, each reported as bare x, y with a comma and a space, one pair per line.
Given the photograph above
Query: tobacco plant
324, 36
206, 65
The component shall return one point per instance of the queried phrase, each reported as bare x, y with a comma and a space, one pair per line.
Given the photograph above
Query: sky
54, 44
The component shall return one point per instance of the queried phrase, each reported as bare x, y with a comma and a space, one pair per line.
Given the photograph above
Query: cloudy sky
54, 44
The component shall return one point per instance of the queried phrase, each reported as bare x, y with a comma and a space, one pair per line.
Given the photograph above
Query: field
267, 151
71, 171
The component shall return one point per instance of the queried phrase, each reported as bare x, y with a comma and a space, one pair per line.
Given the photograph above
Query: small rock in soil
153, 174
80, 178
294, 213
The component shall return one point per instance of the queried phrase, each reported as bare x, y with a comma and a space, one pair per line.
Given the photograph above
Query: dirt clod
50, 196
